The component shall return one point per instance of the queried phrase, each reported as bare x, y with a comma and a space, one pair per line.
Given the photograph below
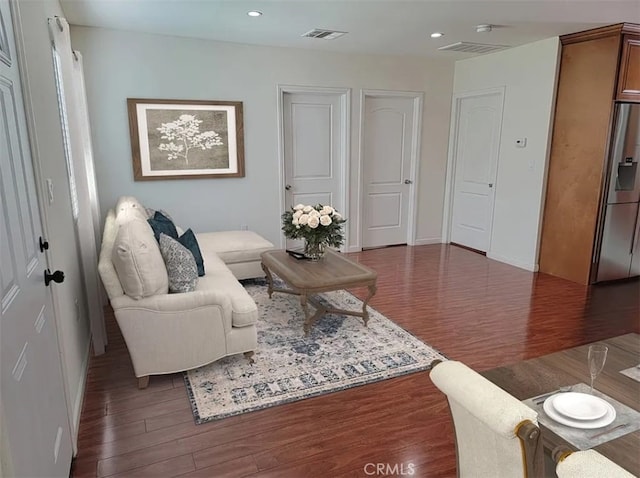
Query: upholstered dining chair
496, 434
586, 464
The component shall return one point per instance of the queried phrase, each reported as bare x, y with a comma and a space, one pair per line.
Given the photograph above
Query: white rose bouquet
317, 225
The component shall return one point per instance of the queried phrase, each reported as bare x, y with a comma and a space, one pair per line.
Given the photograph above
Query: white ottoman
240, 251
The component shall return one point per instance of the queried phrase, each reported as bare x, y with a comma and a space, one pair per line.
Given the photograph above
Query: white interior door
34, 421
476, 148
52, 170
388, 143
314, 134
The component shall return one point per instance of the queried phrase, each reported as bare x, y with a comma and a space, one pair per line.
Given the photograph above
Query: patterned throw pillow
181, 266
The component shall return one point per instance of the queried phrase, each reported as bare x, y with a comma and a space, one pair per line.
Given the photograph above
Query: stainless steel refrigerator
620, 246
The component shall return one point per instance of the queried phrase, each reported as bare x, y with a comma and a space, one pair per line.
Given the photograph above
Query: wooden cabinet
594, 72
629, 79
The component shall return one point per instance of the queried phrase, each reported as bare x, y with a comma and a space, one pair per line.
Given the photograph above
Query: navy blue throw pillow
188, 240
161, 224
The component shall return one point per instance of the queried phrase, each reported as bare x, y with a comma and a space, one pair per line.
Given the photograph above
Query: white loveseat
165, 332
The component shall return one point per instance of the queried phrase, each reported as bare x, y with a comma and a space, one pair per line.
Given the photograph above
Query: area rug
339, 353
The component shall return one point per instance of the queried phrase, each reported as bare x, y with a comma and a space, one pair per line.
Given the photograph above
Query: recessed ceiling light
437, 35
254, 13
484, 28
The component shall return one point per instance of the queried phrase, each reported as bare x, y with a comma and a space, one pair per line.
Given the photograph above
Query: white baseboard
532, 267
427, 241
79, 400
418, 242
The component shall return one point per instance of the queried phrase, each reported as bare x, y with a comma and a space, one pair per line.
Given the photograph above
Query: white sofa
165, 332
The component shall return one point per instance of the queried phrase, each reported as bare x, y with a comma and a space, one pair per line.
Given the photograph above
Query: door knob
408, 181
44, 245
490, 185
57, 277
288, 187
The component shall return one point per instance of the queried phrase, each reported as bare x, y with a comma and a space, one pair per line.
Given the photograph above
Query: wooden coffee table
306, 278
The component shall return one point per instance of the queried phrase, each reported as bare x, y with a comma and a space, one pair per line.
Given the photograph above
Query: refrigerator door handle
636, 232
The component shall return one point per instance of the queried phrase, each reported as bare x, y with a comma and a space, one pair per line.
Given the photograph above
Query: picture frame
186, 139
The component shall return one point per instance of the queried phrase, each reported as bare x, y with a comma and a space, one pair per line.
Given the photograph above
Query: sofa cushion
234, 246
181, 266
137, 260
188, 240
161, 224
105, 265
220, 278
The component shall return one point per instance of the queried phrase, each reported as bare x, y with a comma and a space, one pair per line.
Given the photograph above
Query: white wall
121, 64
49, 162
528, 74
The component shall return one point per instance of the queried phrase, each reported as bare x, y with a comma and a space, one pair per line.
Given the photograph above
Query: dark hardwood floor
472, 309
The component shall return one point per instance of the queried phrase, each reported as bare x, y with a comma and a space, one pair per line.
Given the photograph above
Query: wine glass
596, 357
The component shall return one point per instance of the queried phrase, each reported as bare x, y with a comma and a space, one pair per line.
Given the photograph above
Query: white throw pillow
129, 208
138, 262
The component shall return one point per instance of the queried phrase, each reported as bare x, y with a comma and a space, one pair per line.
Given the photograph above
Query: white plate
580, 406
609, 417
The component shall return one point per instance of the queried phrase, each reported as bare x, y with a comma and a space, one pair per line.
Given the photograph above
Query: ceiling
393, 27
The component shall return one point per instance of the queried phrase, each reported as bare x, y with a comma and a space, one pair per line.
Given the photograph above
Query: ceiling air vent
323, 34
468, 47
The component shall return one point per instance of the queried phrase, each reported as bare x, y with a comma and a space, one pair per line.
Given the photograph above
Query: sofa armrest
182, 302
168, 333
176, 306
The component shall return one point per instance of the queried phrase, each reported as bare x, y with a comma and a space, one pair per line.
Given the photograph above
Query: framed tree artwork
182, 139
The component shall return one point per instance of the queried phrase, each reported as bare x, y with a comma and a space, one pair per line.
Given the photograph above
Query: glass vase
313, 249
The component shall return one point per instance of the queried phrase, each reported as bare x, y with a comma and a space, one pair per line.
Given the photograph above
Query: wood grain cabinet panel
629, 81
578, 151
597, 68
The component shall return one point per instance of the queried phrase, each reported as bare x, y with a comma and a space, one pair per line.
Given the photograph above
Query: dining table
544, 375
